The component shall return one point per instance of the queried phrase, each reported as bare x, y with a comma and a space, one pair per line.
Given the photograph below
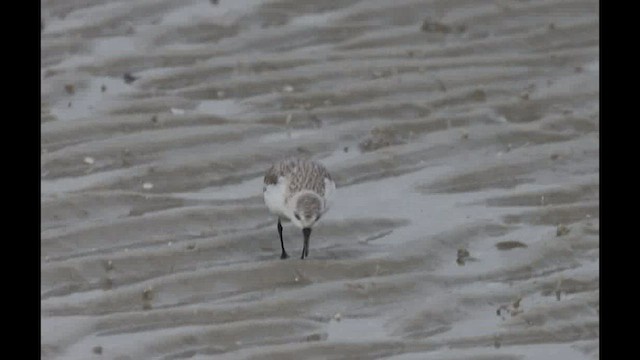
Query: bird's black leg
305, 249
284, 253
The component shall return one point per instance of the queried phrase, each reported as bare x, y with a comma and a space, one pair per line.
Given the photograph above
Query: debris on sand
516, 304
558, 289
380, 138
103, 88
89, 160
128, 78
314, 337
70, 89
108, 266
147, 186
432, 26
337, 317
147, 296
509, 245
512, 309
97, 350
562, 230
428, 25
463, 256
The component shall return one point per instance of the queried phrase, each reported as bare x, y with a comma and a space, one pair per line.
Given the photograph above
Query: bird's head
309, 207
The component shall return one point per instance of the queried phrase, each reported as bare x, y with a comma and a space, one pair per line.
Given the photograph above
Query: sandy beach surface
463, 137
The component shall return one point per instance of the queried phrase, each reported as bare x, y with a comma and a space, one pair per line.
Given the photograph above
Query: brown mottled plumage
301, 175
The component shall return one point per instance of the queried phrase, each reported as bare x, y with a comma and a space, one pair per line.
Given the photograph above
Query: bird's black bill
305, 250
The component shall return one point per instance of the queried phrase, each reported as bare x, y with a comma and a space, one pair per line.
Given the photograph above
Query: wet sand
463, 137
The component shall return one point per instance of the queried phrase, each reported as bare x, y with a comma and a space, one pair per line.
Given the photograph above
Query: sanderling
298, 190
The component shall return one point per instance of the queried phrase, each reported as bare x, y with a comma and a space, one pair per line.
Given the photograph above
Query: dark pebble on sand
128, 78
432, 26
70, 89
429, 25
97, 350
314, 337
463, 256
508, 245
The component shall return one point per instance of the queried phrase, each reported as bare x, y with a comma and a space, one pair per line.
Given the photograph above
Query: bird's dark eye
297, 216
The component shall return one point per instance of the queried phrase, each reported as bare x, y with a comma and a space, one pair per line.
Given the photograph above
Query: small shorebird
298, 190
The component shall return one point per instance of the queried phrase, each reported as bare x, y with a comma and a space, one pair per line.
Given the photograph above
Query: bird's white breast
274, 196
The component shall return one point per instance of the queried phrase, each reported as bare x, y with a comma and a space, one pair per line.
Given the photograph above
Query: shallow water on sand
463, 137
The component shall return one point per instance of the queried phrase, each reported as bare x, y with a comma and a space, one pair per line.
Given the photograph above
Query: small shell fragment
89, 160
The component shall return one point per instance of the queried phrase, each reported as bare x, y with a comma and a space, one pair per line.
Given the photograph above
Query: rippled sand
463, 137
